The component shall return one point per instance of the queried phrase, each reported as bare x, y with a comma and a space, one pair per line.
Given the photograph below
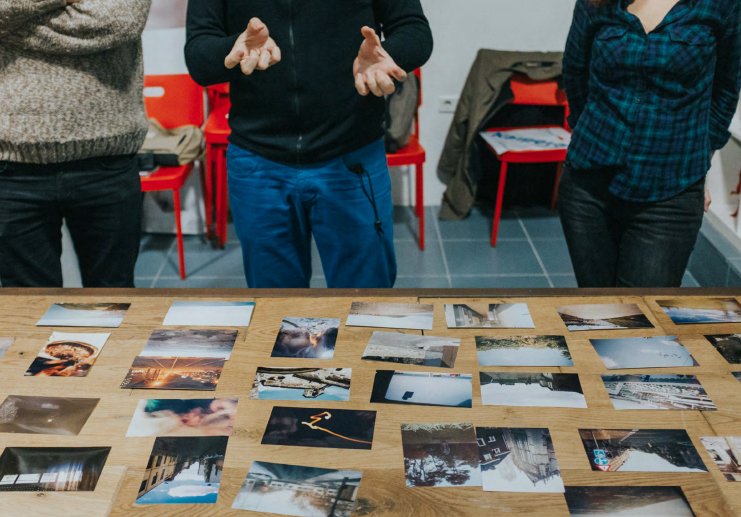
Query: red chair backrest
218, 96
174, 100
538, 93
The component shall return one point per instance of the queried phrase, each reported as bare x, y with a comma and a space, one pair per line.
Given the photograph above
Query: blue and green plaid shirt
653, 107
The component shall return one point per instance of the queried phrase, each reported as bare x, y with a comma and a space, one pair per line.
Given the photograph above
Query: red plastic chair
535, 93
217, 132
174, 101
414, 154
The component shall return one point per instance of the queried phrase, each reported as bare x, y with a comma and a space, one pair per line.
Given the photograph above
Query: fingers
360, 85
372, 83
249, 62
275, 56
255, 27
234, 58
371, 37
385, 83
264, 61
399, 74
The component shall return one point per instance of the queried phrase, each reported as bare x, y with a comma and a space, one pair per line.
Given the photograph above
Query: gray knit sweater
71, 79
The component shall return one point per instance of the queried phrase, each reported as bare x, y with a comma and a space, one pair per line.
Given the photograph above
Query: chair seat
412, 154
167, 178
536, 155
217, 128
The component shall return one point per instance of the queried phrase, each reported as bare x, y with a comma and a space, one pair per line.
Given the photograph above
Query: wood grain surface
382, 490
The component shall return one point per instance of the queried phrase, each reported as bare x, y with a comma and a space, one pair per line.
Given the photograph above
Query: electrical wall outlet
447, 103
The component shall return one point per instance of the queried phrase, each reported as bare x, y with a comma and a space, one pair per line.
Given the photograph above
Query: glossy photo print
183, 470
316, 427
643, 352
518, 460
440, 455
302, 384
51, 469
683, 311
641, 450
307, 338
726, 453
422, 388
627, 501
45, 415
531, 390
737, 375
664, 391
174, 373
210, 314
299, 491
523, 351
67, 355
394, 347
727, 345
84, 315
184, 417
390, 315
190, 343
604, 317
5, 343
489, 316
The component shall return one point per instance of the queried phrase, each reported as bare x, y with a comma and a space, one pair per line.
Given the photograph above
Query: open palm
374, 69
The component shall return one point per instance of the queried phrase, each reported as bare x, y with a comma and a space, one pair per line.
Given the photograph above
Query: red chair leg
500, 199
224, 194
205, 169
179, 228
219, 196
420, 186
416, 196
554, 200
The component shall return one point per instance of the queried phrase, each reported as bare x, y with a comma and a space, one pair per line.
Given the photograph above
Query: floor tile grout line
535, 251
442, 247
164, 263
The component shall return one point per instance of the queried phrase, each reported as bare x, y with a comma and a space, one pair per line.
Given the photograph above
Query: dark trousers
101, 201
618, 243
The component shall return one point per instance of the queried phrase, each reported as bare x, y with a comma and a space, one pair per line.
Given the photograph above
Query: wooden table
382, 490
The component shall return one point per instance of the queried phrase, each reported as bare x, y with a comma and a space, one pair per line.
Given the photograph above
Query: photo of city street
532, 389
604, 317
523, 351
641, 450
423, 388
298, 491
307, 338
726, 453
643, 352
394, 347
677, 392
301, 384
174, 373
489, 316
706, 310
440, 455
518, 460
627, 501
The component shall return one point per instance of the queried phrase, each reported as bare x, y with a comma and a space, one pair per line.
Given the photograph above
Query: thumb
399, 74
371, 37
255, 27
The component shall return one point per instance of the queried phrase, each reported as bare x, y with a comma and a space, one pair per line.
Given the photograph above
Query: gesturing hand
374, 68
254, 49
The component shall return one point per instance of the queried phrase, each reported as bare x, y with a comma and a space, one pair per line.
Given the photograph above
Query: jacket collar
678, 12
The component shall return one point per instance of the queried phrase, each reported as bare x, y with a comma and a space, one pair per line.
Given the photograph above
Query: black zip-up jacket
304, 109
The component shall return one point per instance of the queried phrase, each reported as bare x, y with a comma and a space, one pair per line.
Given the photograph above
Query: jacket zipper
297, 100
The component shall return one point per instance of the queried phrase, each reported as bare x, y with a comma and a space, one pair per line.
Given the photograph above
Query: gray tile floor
531, 252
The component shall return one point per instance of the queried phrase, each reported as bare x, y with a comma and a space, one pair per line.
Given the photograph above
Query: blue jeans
277, 207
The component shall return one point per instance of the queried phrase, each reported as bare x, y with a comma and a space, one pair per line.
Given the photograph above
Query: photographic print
390, 315
307, 338
683, 311
440, 455
67, 355
190, 343
314, 427
302, 383
5, 343
299, 491
603, 317
51, 469
210, 314
84, 315
728, 345
518, 460
393, 347
678, 392
737, 375
183, 470
489, 316
726, 453
643, 352
174, 373
532, 390
641, 450
422, 388
523, 351
183, 417
627, 501
45, 415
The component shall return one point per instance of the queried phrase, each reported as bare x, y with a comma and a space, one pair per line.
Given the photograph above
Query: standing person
653, 86
306, 156
71, 121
